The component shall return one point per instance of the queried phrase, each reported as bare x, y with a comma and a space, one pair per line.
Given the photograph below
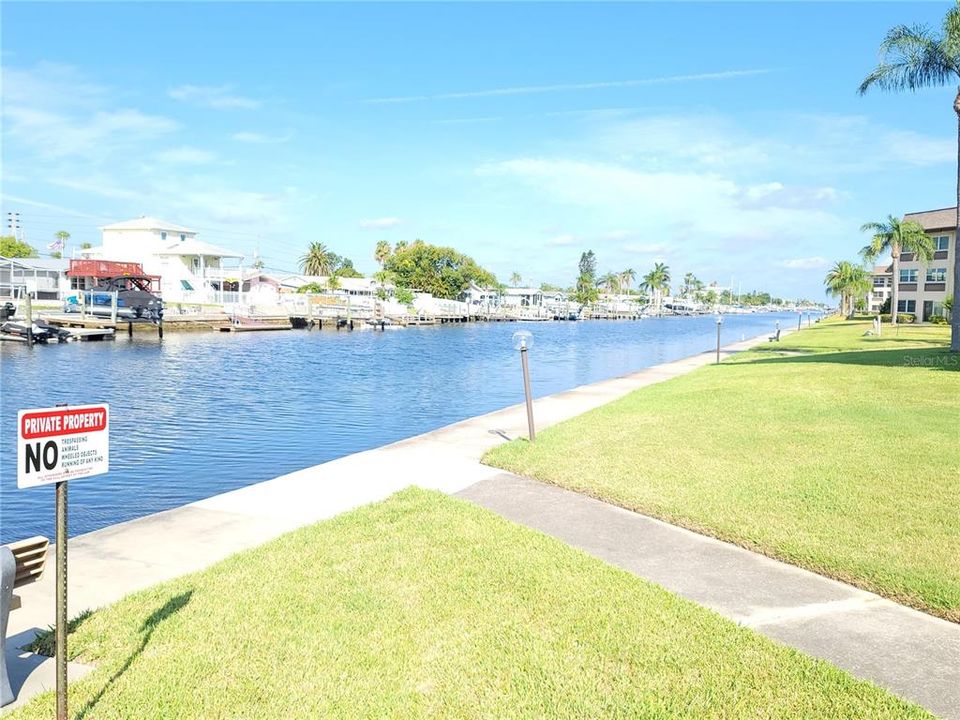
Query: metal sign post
55, 445
61, 638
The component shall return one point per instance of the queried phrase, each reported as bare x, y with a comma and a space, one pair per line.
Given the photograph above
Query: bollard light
719, 323
523, 341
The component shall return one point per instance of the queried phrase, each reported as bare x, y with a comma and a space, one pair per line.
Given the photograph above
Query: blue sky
722, 139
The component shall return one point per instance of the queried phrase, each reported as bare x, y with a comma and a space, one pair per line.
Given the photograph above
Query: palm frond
912, 58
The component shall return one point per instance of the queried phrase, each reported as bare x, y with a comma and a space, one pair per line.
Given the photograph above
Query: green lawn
426, 606
830, 450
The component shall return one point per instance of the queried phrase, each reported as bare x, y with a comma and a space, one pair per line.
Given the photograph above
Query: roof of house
523, 291
192, 246
58, 264
145, 222
942, 219
882, 270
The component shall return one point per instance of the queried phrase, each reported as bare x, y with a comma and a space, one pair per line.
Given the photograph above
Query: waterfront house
191, 270
522, 297
41, 278
922, 287
881, 285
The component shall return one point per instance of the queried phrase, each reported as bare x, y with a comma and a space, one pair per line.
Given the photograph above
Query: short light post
719, 324
523, 341
799, 319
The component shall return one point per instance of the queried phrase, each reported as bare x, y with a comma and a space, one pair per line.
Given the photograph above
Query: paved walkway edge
915, 655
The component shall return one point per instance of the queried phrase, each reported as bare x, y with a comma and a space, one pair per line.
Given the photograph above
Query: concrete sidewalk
107, 564
915, 655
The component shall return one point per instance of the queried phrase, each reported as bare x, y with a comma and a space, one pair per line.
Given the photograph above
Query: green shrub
938, 320
885, 317
906, 318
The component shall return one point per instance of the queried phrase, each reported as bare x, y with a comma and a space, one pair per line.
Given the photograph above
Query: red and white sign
62, 443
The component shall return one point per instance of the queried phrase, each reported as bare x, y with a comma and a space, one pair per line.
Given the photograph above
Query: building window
935, 275
185, 284
182, 237
78, 283
880, 281
163, 234
941, 242
907, 306
908, 276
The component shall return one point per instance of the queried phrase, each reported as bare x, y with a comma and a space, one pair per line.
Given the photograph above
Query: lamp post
523, 341
799, 318
719, 323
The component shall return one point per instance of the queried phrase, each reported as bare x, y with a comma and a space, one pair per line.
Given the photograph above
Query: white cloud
775, 194
384, 223
569, 87
186, 156
260, 138
216, 97
95, 135
562, 240
809, 263
646, 248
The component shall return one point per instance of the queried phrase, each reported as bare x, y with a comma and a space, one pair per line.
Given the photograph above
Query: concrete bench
21, 563
30, 556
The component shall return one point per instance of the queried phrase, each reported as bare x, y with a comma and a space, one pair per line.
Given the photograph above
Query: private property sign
62, 443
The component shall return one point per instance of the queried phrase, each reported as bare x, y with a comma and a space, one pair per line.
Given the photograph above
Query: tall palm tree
515, 279
657, 281
318, 260
689, 283
847, 281
382, 252
896, 237
627, 278
916, 57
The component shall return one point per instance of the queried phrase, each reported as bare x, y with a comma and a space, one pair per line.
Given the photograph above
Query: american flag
56, 244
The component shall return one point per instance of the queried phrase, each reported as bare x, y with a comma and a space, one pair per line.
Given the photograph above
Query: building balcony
907, 287
935, 287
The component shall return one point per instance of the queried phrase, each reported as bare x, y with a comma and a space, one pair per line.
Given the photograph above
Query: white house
191, 271
41, 278
522, 297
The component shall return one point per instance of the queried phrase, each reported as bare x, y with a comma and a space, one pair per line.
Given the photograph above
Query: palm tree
896, 237
400, 246
847, 282
515, 279
656, 281
318, 260
610, 282
382, 252
333, 283
912, 58
627, 278
689, 283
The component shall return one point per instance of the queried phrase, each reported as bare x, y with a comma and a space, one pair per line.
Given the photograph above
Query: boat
135, 300
39, 331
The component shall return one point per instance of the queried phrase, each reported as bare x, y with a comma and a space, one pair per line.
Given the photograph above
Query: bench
775, 338
21, 563
30, 556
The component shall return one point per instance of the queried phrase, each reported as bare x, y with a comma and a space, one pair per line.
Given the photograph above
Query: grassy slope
842, 458
425, 606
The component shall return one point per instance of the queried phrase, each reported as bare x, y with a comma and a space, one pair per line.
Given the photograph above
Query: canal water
198, 414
